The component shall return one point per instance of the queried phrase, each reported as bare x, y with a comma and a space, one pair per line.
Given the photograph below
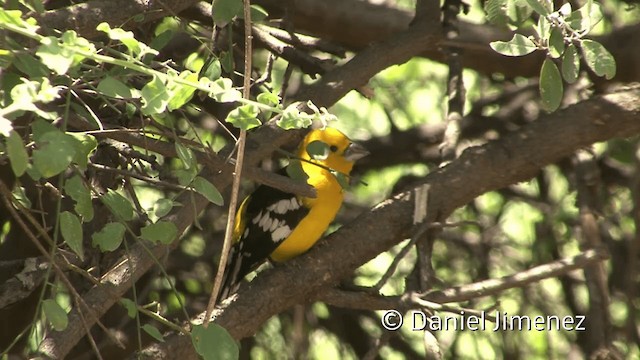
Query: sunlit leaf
519, 45
155, 97
244, 117
599, 59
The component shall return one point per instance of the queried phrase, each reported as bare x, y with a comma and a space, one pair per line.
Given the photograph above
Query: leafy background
117, 130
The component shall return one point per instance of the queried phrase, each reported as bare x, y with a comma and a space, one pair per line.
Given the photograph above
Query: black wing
270, 216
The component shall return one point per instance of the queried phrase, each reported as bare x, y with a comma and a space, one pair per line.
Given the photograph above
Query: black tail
237, 268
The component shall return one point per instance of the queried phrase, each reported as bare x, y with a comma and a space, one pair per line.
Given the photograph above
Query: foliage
110, 143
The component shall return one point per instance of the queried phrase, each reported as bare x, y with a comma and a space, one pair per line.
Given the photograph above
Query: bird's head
331, 148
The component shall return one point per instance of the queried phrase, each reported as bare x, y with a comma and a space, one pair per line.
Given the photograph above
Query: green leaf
21, 197
75, 188
55, 152
208, 190
155, 97
295, 171
55, 314
540, 6
153, 332
119, 205
342, 178
519, 45
292, 118
185, 176
110, 237
114, 88
132, 308
496, 11
17, 154
41, 127
30, 66
15, 17
556, 43
543, 29
161, 232
54, 55
5, 127
570, 64
585, 18
221, 90
61, 54
214, 342
599, 59
182, 94
225, 10
71, 230
85, 145
135, 47
268, 98
163, 206
258, 13
244, 117
212, 69
318, 150
186, 156
551, 90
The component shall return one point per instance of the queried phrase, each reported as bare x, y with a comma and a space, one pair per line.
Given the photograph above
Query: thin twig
242, 139
138, 176
364, 299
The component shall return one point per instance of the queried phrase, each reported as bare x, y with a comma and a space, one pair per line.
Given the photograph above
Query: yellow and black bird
272, 224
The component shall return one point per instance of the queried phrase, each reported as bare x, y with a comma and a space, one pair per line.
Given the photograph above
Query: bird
274, 225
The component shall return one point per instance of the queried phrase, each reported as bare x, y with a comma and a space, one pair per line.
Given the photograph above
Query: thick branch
514, 158
356, 24
84, 17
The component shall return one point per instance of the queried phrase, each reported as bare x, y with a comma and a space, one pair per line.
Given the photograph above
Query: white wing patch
280, 233
285, 205
272, 220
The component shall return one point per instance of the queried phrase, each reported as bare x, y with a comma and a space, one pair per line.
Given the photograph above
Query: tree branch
516, 157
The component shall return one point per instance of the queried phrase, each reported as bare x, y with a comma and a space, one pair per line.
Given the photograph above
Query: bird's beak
355, 152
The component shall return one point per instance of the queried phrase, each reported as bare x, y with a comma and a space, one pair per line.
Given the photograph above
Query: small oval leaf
519, 45
71, 230
214, 342
161, 232
119, 205
599, 59
17, 153
570, 64
550, 86
55, 314
109, 238
208, 190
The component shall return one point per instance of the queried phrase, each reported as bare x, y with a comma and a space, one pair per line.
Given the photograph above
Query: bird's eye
333, 148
